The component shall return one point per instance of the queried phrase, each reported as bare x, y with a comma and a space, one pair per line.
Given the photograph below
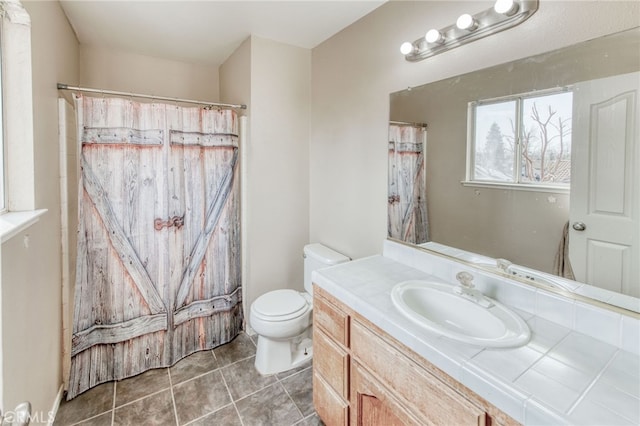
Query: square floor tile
239, 348
153, 410
226, 416
287, 373
101, 420
312, 420
88, 404
300, 389
142, 385
200, 396
192, 366
243, 378
270, 406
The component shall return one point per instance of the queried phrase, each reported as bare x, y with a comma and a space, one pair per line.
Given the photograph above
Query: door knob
579, 226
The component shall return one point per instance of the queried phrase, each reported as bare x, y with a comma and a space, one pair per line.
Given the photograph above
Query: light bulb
466, 22
506, 7
434, 36
406, 48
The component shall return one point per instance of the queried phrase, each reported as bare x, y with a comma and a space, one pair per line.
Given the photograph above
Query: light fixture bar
484, 24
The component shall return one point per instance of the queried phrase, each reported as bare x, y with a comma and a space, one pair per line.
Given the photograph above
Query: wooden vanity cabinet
331, 370
362, 376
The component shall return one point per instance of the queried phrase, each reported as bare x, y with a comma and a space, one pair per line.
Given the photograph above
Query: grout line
583, 394
291, 399
198, 376
113, 408
231, 397
305, 418
207, 414
173, 398
143, 397
79, 422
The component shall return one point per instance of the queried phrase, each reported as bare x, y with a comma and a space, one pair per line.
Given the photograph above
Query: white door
605, 184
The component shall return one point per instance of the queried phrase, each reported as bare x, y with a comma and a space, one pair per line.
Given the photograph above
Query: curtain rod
62, 86
406, 123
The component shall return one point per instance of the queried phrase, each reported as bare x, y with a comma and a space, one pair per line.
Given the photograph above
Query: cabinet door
436, 402
372, 404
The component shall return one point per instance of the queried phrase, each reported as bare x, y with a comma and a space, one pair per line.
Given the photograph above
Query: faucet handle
503, 264
465, 279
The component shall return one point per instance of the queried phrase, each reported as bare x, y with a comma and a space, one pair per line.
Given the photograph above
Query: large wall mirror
487, 166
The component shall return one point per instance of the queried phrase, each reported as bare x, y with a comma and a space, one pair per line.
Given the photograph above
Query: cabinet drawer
329, 406
331, 320
331, 362
431, 398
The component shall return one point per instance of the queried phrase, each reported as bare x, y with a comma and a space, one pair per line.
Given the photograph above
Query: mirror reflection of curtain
407, 204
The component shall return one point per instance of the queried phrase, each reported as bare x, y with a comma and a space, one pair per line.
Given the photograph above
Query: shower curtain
158, 263
407, 205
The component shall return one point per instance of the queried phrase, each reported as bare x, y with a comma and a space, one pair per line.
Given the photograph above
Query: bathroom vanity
373, 366
363, 376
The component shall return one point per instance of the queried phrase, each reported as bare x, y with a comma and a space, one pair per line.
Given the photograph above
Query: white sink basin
434, 306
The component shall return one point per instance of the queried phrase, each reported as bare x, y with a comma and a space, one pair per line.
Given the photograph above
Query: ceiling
207, 31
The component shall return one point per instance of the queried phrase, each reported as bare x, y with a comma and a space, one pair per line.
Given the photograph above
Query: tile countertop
561, 376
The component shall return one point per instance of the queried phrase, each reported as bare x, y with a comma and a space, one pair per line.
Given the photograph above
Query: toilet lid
280, 303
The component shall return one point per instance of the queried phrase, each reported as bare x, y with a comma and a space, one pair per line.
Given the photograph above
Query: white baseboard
56, 405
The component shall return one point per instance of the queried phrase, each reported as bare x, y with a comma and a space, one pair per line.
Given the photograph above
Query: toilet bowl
282, 318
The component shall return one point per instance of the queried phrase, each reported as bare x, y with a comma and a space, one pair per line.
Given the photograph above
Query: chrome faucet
467, 290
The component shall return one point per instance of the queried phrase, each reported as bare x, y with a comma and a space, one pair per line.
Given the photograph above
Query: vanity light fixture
466, 22
434, 36
506, 7
503, 15
406, 48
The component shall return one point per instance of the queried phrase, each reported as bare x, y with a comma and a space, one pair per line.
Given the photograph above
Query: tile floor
216, 387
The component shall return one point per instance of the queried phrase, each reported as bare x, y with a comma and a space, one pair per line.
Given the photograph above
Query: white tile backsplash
601, 324
555, 308
630, 335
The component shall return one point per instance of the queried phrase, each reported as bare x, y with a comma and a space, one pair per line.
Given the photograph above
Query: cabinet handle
484, 420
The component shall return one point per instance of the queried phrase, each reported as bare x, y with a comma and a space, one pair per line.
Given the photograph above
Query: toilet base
275, 356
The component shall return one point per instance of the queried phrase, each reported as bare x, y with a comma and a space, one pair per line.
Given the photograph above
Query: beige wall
114, 70
355, 71
31, 299
276, 177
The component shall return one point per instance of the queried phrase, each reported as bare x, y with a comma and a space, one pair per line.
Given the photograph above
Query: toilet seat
280, 305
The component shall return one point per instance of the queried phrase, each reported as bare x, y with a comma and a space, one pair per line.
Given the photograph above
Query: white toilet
282, 318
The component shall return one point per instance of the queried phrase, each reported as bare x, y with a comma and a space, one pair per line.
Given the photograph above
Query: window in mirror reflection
539, 155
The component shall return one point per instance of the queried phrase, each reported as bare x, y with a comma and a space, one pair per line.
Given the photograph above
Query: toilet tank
317, 256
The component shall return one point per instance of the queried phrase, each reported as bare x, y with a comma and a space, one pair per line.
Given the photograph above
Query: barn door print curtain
407, 205
158, 267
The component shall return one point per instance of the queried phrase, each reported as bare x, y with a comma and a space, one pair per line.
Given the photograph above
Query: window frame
517, 184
